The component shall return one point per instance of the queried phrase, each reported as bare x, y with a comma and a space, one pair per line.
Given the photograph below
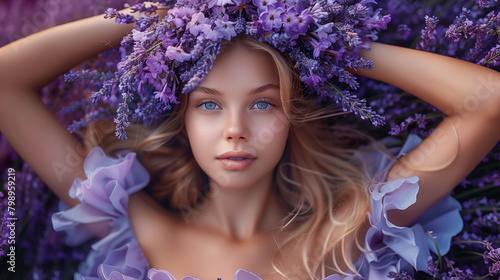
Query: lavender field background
464, 29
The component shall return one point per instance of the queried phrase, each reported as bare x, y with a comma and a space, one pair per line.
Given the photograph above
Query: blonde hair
318, 180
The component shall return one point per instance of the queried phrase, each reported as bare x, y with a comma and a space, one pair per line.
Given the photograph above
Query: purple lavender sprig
492, 58
4, 234
452, 272
492, 257
403, 275
357, 106
122, 119
429, 33
142, 22
419, 119
196, 74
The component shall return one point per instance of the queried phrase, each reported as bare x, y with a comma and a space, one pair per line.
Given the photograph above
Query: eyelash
206, 101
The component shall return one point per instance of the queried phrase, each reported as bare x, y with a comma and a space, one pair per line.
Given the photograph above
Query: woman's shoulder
127, 222
150, 221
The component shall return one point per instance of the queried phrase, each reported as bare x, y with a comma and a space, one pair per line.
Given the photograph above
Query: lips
236, 161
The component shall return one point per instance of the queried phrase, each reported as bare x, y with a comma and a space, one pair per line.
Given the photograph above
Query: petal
242, 274
103, 214
160, 274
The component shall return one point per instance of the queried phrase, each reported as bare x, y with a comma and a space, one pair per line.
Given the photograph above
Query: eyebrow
254, 91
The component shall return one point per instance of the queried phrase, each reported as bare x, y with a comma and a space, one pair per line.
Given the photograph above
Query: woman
243, 174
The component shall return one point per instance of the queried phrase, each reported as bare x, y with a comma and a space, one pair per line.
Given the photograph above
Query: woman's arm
470, 97
26, 66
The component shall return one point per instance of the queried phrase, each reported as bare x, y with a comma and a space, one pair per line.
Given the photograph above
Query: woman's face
235, 121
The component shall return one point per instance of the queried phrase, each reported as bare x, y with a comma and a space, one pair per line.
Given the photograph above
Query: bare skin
243, 238
239, 221
469, 94
246, 105
196, 249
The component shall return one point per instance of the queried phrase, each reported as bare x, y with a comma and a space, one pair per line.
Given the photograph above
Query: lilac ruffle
392, 248
161, 274
103, 213
117, 255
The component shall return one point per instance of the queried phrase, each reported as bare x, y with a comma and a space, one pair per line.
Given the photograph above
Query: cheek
204, 134
197, 129
199, 133
271, 134
193, 126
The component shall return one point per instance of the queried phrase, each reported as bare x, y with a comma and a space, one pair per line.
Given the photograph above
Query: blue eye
209, 106
262, 105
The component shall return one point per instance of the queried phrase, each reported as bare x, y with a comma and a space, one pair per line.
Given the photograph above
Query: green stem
474, 253
154, 46
470, 242
490, 60
482, 277
471, 193
437, 249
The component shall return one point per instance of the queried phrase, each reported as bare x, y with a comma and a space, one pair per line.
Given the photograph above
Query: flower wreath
162, 58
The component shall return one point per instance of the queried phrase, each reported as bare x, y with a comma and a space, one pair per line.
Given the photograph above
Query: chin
237, 182
236, 186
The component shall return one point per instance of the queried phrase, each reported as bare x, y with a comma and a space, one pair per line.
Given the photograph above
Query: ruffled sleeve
392, 248
161, 274
102, 214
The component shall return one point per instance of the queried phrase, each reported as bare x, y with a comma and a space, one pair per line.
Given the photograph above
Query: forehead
240, 67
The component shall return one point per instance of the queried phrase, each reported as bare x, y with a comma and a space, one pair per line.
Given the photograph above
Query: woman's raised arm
26, 66
467, 93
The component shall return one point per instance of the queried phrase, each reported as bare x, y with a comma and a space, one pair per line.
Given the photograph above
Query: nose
236, 128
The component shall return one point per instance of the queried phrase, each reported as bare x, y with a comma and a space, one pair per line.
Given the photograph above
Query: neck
241, 214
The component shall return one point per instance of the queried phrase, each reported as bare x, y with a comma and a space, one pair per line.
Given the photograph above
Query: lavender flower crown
173, 55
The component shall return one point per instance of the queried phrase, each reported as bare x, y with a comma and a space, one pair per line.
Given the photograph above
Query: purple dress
117, 254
